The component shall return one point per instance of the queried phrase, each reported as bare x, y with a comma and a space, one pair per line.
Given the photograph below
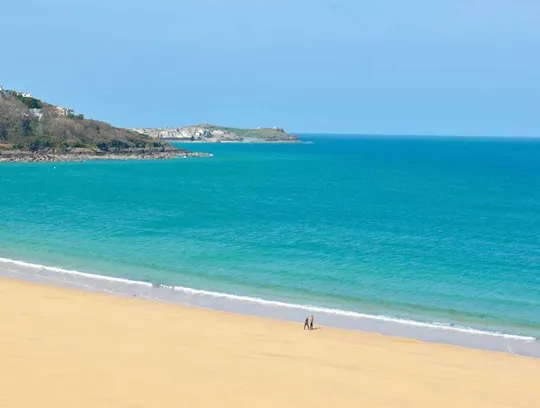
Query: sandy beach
62, 347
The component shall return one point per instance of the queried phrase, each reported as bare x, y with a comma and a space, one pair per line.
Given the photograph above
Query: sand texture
65, 348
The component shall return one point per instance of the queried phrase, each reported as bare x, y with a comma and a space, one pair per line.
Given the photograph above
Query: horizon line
413, 135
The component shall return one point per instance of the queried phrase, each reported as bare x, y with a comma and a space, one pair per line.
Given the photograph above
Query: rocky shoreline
45, 157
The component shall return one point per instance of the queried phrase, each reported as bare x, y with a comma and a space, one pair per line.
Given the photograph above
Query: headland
206, 133
32, 130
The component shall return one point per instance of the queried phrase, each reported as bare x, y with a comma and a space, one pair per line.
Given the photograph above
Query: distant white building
37, 113
63, 111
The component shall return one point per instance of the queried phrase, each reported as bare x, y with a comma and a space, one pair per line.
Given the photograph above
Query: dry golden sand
65, 348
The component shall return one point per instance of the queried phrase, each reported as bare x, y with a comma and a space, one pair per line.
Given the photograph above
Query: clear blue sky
452, 67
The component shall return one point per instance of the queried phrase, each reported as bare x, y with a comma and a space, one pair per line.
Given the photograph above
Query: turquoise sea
428, 229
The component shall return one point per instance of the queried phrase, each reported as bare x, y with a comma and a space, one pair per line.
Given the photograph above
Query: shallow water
423, 231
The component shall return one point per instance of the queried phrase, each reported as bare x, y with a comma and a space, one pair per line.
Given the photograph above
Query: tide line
272, 303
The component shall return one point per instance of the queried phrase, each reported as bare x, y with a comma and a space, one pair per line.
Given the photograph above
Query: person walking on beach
306, 324
311, 320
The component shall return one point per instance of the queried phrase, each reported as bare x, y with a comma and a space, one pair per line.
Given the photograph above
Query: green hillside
259, 133
29, 124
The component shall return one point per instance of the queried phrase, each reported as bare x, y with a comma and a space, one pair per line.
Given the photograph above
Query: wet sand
61, 347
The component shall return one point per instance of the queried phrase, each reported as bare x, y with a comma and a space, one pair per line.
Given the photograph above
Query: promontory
219, 134
32, 130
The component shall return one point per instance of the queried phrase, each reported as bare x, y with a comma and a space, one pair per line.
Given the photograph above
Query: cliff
219, 134
34, 130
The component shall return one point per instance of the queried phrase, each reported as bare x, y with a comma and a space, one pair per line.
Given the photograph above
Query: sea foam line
274, 303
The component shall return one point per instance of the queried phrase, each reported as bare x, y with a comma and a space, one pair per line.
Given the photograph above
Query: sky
420, 67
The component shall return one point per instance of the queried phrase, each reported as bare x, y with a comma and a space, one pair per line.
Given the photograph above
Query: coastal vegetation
270, 134
32, 128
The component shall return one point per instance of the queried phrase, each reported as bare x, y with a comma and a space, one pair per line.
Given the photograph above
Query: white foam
274, 303
73, 272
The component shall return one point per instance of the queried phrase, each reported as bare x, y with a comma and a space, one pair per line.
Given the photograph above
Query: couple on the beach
308, 323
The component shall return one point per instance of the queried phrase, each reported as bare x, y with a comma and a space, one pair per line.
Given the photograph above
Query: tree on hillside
22, 129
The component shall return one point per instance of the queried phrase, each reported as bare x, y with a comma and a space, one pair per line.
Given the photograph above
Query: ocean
388, 234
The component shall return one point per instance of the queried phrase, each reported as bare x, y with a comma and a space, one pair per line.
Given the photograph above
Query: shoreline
78, 348
430, 332
210, 142
27, 157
